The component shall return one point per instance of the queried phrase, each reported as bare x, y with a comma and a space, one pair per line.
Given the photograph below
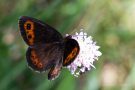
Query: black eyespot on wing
29, 36
28, 26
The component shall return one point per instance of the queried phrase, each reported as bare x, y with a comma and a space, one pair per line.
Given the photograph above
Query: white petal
88, 54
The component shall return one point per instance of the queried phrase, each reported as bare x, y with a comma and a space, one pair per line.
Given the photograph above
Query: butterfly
47, 49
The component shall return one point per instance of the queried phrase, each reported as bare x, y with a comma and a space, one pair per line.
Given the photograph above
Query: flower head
87, 55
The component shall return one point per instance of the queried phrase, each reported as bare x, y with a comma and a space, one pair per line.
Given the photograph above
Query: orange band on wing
71, 55
35, 60
29, 29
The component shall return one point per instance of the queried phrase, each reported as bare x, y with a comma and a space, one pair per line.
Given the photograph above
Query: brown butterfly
47, 50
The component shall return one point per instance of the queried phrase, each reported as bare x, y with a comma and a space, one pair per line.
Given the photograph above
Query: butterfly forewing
71, 50
35, 31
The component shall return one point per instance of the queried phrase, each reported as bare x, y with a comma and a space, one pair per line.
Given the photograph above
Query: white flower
87, 55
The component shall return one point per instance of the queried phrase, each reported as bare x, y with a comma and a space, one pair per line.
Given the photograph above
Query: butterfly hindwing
33, 60
42, 58
35, 31
71, 50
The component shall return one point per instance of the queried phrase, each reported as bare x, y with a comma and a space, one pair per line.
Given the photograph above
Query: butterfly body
47, 50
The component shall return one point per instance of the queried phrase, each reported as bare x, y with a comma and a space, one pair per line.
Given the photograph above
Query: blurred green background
110, 22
